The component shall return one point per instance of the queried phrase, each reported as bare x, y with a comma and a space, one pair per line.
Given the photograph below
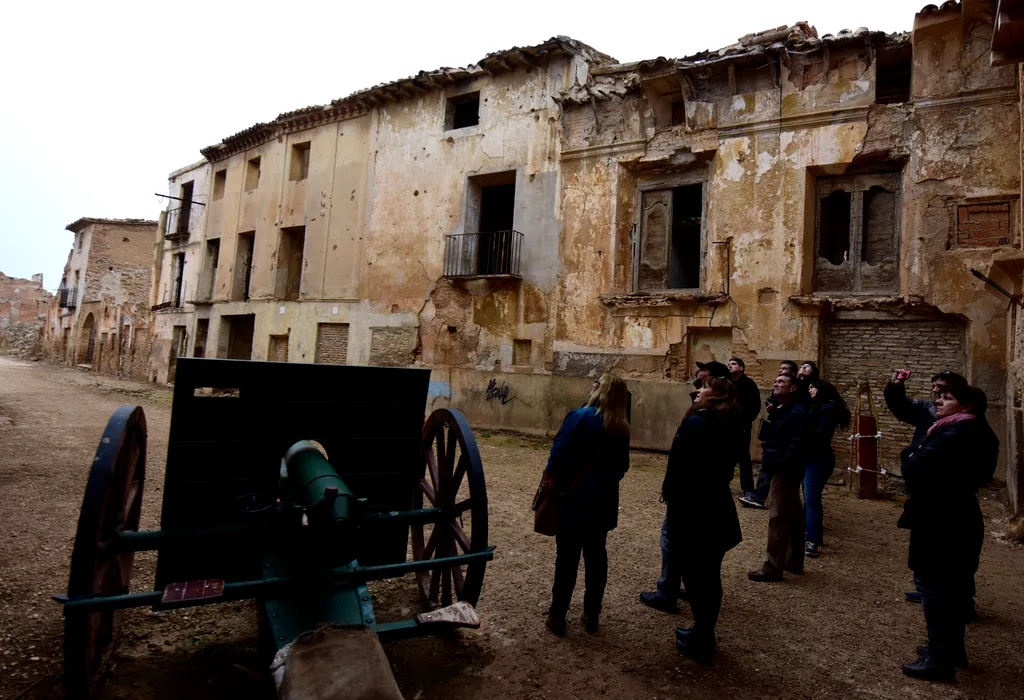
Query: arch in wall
87, 340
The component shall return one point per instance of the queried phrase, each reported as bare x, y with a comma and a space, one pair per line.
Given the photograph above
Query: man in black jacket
750, 406
783, 458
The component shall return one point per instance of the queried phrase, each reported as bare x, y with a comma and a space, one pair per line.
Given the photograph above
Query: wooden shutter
655, 234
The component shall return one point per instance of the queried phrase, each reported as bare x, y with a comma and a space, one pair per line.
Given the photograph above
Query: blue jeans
671, 576
814, 483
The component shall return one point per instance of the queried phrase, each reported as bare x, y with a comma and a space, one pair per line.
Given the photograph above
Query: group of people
803, 414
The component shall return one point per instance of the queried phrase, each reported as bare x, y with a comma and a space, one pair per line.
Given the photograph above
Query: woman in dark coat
942, 477
701, 514
828, 413
594, 439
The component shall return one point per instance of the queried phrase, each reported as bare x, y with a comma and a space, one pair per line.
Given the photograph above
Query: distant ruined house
23, 307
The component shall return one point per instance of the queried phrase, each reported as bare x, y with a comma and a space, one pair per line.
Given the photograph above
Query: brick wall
392, 346
278, 348
983, 224
872, 350
331, 344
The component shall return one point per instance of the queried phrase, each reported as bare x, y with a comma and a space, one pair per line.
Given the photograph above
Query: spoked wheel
453, 479
112, 504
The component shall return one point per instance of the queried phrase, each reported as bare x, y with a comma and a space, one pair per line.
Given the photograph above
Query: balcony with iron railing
68, 298
489, 254
176, 223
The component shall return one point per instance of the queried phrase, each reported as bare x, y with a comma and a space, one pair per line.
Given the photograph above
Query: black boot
698, 647
960, 661
927, 670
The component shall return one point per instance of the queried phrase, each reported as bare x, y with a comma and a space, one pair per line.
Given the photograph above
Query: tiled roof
425, 81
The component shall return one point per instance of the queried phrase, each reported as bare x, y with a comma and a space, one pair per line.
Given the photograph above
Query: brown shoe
556, 625
762, 576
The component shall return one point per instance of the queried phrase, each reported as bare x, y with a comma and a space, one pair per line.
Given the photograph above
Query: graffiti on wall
499, 391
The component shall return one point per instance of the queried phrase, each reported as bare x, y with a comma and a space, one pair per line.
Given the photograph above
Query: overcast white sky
100, 100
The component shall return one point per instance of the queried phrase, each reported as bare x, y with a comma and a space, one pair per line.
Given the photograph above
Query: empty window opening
79, 238
202, 333
243, 266
252, 174
331, 344
521, 350
278, 350
877, 243
834, 241
497, 207
220, 182
210, 264
463, 111
177, 278
288, 282
678, 112
893, 72
179, 348
236, 336
186, 207
299, 169
672, 229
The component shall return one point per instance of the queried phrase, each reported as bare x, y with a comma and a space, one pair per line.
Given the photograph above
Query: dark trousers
569, 545
818, 472
785, 525
764, 482
671, 576
945, 599
702, 574
746, 466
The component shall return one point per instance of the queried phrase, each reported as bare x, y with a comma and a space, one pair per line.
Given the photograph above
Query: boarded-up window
671, 225
278, 351
856, 237
521, 350
392, 346
331, 344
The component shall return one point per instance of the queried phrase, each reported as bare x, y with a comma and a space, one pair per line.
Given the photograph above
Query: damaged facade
99, 318
525, 223
23, 307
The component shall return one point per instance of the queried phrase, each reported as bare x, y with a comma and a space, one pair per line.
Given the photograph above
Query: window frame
698, 176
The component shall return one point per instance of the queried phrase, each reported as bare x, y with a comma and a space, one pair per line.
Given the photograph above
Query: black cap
716, 369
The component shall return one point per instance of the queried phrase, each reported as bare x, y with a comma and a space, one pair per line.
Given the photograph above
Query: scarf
949, 420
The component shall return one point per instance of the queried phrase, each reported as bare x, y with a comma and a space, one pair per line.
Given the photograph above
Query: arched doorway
87, 340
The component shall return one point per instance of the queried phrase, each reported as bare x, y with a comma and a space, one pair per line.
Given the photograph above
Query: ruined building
180, 280
99, 318
548, 213
23, 307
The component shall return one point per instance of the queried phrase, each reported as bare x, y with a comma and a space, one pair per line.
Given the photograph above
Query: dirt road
839, 631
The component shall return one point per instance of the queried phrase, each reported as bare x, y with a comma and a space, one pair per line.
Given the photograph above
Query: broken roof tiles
76, 226
362, 101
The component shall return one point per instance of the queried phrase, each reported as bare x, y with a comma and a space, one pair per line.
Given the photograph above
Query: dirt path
839, 631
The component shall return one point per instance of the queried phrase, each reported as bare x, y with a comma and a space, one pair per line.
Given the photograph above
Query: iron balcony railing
490, 254
68, 298
176, 223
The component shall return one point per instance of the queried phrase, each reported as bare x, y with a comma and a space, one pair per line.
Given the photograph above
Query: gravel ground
839, 631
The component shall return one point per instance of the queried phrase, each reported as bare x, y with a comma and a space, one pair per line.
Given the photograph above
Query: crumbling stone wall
23, 308
392, 346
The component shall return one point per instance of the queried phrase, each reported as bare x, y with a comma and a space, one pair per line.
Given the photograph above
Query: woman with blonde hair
590, 455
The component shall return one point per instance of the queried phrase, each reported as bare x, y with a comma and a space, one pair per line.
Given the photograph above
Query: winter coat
700, 508
784, 451
822, 423
593, 504
942, 476
749, 398
920, 414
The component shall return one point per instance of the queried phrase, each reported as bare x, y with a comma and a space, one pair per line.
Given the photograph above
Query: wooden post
867, 457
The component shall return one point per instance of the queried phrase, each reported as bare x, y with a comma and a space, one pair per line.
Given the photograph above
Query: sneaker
812, 550
658, 602
749, 500
556, 625
912, 597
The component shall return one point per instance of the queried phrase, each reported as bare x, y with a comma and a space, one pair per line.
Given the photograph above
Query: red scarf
950, 420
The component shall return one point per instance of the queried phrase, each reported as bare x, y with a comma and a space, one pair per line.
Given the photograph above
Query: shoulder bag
549, 501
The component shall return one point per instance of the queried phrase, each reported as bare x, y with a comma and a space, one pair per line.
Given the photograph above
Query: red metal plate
192, 592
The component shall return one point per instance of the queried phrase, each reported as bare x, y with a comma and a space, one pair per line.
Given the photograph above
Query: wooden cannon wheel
112, 504
453, 478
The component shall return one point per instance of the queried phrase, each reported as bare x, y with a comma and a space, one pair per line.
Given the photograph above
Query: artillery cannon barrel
312, 484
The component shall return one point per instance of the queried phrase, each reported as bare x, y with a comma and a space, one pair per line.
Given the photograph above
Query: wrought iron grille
68, 298
490, 254
176, 223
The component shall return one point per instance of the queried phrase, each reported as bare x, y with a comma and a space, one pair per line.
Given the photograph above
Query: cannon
292, 484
